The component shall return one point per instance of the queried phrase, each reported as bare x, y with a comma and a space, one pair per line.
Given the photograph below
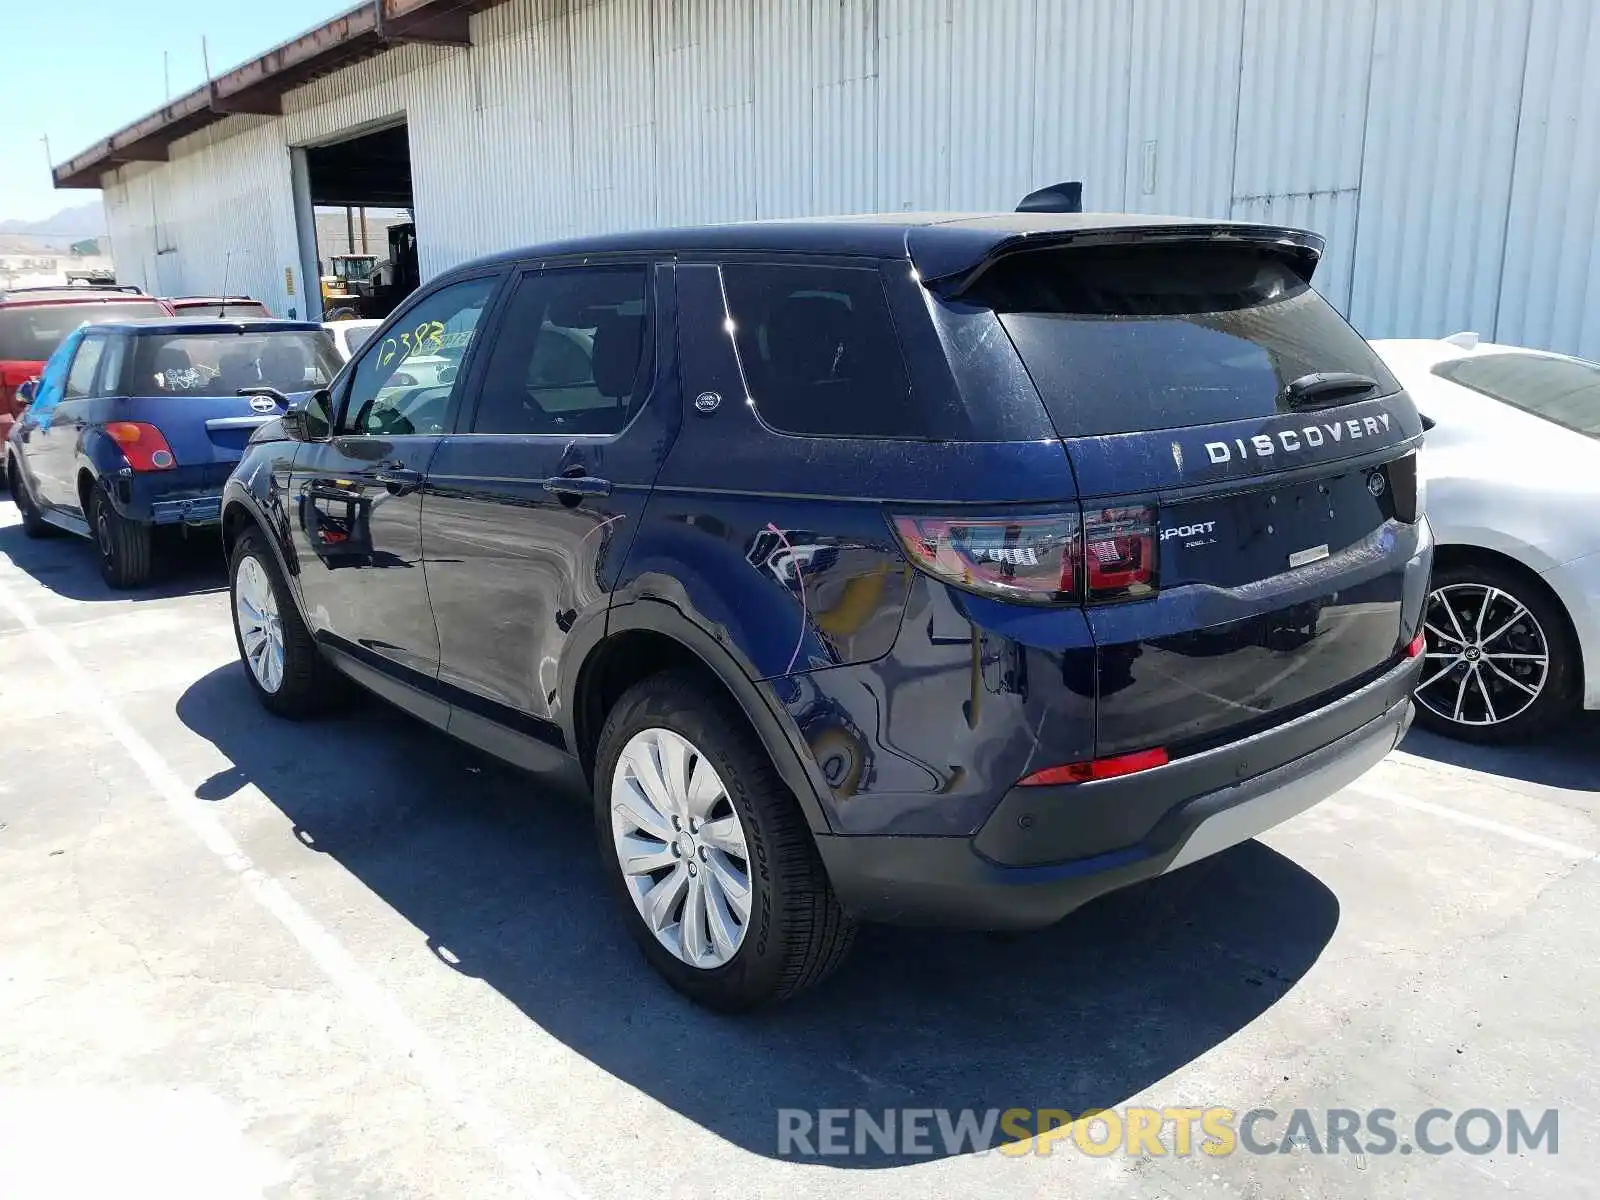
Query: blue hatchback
138, 424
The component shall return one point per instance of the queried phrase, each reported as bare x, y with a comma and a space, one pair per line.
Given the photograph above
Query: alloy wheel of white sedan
255, 609
682, 848
1487, 657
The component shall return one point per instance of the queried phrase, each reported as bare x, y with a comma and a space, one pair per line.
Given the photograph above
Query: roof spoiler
1057, 198
1299, 249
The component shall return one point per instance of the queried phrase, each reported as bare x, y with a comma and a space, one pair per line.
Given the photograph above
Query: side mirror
307, 417
26, 392
1427, 422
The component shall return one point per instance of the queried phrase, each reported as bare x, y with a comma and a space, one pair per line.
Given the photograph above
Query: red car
34, 321
228, 308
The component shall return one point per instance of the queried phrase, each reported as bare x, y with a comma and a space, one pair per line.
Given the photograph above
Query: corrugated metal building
1448, 149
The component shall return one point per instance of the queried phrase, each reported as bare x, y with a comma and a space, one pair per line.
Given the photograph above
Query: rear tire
1476, 682
123, 546
303, 683
33, 525
794, 933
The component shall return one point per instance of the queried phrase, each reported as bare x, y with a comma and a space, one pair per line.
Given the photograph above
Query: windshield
219, 364
353, 268
1563, 390
1120, 339
31, 332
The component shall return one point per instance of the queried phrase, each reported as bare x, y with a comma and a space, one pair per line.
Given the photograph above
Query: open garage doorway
362, 238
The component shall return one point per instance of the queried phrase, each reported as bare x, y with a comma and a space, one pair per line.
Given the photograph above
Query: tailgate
1253, 463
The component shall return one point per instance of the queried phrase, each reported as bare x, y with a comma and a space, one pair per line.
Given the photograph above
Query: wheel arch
647, 636
1458, 554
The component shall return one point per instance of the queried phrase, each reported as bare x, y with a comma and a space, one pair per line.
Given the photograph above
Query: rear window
242, 311
1120, 339
1563, 390
819, 352
204, 364
31, 332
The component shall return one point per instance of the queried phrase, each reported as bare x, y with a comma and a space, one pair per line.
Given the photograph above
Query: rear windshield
235, 312
1563, 390
354, 339
1126, 338
31, 332
219, 364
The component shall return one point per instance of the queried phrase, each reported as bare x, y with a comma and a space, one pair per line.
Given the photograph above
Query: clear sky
77, 70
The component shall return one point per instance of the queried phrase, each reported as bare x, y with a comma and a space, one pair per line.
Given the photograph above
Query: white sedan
1511, 468
350, 336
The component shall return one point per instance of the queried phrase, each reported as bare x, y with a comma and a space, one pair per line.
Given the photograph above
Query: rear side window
819, 351
1563, 390
31, 332
80, 376
1120, 339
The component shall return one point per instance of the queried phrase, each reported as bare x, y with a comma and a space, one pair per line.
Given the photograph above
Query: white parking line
526, 1162
1527, 838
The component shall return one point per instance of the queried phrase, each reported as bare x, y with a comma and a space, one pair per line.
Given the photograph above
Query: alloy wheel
682, 847
1487, 657
255, 610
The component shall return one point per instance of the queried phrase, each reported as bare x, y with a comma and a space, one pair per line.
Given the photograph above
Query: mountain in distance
80, 221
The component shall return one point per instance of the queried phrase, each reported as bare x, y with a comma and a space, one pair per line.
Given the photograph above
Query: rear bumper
185, 496
959, 882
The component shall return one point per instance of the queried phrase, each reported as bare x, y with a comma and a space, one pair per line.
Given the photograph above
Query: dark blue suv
946, 570
135, 424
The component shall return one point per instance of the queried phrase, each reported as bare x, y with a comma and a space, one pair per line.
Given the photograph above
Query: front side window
407, 380
80, 377
570, 356
819, 351
1559, 389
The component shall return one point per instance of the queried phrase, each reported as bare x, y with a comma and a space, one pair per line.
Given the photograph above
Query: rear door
358, 496
531, 506
1245, 465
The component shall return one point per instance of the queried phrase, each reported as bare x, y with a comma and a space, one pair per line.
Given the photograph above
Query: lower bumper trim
944, 881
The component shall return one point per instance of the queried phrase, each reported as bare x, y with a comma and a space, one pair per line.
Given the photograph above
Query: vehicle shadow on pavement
1569, 758
66, 565
504, 881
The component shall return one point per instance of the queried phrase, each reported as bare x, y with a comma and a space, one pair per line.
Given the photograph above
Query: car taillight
142, 445
1096, 768
1060, 558
1029, 558
1405, 488
1119, 553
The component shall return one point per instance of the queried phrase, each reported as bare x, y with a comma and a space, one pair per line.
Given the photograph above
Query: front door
531, 508
54, 455
358, 495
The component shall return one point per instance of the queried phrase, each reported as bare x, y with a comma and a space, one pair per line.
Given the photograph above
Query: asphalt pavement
244, 957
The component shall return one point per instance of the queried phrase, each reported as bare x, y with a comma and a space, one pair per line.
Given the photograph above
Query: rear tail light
1119, 553
142, 445
1096, 768
1405, 490
1030, 558
1060, 558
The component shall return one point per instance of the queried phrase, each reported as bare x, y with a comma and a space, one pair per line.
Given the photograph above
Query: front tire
286, 670
123, 546
1500, 663
712, 862
33, 525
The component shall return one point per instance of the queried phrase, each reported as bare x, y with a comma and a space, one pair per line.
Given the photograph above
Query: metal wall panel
1447, 149
1436, 169
1302, 113
1550, 285
1183, 102
218, 216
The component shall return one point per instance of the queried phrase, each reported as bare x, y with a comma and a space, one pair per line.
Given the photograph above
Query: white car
1511, 470
350, 336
